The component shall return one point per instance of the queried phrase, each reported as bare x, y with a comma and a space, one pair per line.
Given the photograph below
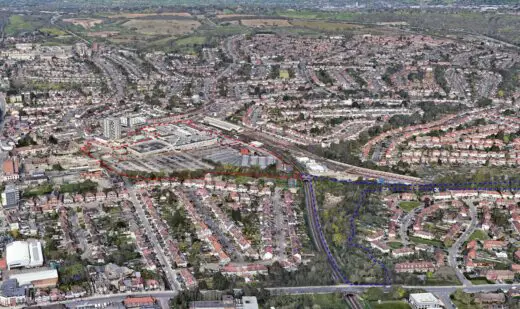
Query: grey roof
10, 288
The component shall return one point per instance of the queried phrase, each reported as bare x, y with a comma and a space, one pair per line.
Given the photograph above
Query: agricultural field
161, 26
265, 23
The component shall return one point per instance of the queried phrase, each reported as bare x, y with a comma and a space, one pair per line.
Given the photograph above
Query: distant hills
53, 4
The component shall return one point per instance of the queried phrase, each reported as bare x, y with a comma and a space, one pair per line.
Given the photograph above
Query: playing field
162, 26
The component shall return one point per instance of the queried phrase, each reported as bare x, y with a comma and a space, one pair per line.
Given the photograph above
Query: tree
374, 294
221, 282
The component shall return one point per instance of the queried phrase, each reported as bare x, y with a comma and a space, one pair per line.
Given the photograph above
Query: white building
25, 254
112, 128
424, 301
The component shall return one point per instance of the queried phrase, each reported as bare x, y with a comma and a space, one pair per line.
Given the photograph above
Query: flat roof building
24, 254
39, 278
424, 301
221, 124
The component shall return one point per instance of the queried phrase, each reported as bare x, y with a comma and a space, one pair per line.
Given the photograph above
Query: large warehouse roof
28, 278
24, 254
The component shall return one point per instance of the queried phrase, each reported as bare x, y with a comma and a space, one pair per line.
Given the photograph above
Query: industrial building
24, 254
46, 278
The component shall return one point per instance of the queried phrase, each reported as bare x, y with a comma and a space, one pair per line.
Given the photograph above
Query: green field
328, 301
409, 205
191, 40
432, 242
479, 235
390, 305
53, 31
18, 24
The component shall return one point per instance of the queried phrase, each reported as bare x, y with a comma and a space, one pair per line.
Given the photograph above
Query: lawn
479, 235
395, 245
431, 242
409, 205
478, 281
390, 305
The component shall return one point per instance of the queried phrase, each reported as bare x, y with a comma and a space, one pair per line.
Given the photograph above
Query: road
169, 272
453, 252
405, 224
442, 292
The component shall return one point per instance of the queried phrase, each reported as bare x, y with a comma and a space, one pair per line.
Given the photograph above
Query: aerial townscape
233, 154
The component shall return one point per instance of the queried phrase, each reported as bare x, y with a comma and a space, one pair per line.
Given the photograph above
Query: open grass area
284, 74
479, 235
17, 24
53, 31
261, 22
390, 305
191, 40
329, 301
409, 205
162, 26
431, 242
324, 25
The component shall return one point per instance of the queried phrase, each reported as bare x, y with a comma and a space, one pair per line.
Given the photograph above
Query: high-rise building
10, 196
112, 128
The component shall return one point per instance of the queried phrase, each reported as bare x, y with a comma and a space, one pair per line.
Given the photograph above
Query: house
490, 298
381, 246
499, 275
137, 302
494, 244
402, 252
414, 267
